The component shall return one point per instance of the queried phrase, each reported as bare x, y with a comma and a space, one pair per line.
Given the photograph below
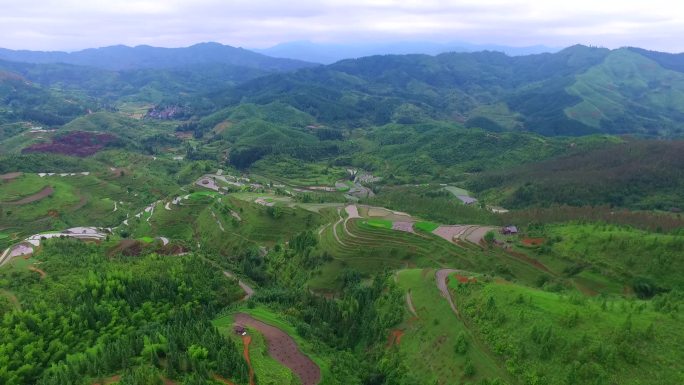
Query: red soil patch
42, 273
53, 213
395, 337
463, 279
284, 350
44, 193
10, 176
77, 143
246, 340
532, 241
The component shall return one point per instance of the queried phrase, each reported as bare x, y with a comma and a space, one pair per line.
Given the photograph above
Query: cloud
72, 24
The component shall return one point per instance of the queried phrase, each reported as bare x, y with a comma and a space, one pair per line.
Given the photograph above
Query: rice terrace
320, 212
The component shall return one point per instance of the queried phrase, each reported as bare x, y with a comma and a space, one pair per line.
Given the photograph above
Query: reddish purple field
77, 143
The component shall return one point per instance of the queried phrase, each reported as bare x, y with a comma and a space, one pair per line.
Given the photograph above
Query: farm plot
370, 249
461, 233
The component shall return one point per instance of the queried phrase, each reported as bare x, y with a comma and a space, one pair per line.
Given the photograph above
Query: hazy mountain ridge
328, 53
122, 57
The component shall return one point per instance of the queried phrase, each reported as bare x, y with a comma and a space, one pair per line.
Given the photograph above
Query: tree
490, 237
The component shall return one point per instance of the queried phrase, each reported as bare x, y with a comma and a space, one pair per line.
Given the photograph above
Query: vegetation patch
382, 223
428, 227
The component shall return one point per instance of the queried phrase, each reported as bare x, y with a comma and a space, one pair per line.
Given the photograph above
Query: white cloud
75, 24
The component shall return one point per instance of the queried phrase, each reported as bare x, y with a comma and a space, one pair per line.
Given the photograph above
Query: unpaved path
44, 193
441, 277
42, 273
249, 292
283, 348
246, 340
334, 228
409, 303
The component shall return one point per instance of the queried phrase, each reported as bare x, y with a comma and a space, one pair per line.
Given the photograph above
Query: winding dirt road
441, 278
249, 292
283, 348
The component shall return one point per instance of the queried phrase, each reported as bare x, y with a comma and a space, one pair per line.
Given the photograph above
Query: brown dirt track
44, 193
42, 273
246, 340
10, 176
284, 349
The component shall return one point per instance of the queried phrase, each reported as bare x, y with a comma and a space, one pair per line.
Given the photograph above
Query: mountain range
577, 91
330, 53
121, 57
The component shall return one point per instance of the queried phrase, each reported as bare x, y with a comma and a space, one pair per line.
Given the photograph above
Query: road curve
249, 292
441, 278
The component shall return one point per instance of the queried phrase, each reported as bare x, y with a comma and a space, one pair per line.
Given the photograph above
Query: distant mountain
121, 57
20, 100
577, 91
330, 53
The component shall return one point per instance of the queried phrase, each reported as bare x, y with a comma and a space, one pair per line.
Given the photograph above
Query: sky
77, 24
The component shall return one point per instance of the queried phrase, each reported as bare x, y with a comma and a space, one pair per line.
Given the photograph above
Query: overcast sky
77, 24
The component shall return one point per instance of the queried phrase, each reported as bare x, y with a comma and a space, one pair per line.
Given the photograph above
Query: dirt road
409, 303
249, 292
441, 277
283, 348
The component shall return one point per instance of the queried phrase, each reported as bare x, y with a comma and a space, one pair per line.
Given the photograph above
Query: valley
464, 218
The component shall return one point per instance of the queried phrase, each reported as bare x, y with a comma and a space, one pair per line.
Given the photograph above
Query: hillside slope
577, 91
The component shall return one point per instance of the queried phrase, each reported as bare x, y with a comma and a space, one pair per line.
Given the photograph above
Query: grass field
427, 227
381, 223
456, 191
556, 338
437, 344
624, 253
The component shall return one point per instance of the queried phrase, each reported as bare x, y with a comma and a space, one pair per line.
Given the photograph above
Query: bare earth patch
450, 232
10, 176
476, 235
352, 211
403, 226
284, 349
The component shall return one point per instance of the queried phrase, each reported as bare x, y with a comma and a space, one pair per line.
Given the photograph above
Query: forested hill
122, 57
579, 90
